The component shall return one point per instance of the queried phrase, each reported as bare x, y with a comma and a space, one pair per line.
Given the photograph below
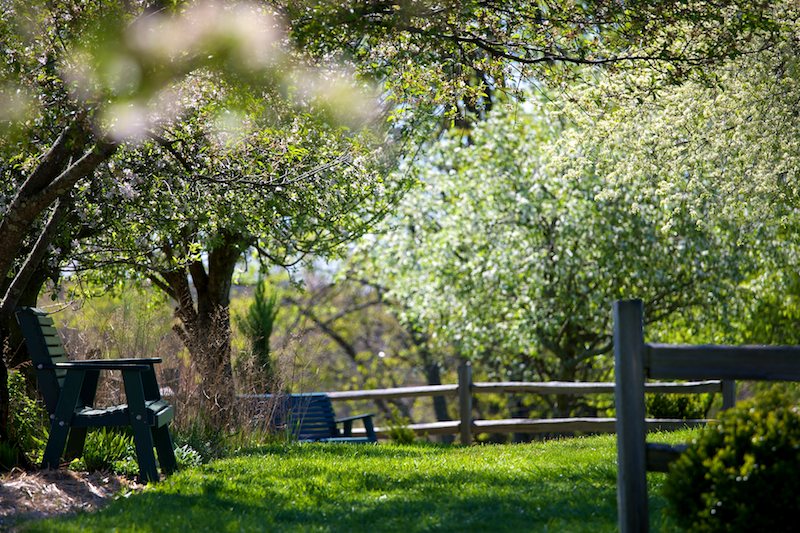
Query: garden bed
51, 493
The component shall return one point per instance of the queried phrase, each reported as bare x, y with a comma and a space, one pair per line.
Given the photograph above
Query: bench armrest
349, 418
347, 430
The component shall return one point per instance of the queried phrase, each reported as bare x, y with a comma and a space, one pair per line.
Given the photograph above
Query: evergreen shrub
681, 406
257, 325
741, 474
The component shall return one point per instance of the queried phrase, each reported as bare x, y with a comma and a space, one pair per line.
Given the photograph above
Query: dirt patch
49, 493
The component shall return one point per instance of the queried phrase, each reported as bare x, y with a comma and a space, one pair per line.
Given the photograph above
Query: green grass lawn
564, 485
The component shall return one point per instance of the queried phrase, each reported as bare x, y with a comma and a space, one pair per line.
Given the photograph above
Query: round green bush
187, 457
741, 474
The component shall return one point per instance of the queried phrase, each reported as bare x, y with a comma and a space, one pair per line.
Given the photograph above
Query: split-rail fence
467, 426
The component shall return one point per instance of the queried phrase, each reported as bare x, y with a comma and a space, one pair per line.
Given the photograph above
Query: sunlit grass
564, 485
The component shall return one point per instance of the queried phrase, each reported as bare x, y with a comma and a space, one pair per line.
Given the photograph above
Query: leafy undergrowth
565, 485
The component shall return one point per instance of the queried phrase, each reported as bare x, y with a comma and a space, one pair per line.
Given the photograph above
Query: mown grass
565, 485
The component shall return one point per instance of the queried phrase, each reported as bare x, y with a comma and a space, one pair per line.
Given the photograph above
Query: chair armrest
97, 365
135, 361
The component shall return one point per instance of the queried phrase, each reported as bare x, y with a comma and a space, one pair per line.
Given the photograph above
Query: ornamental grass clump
399, 432
741, 474
103, 447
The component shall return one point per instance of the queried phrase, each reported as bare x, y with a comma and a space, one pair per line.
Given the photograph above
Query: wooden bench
69, 389
635, 361
308, 417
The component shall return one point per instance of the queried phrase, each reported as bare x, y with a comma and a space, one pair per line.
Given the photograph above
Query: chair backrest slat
42, 319
51, 340
55, 351
35, 326
60, 374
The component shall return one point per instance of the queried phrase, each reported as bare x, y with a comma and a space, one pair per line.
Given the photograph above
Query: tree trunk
564, 402
433, 375
4, 398
57, 172
432, 370
46, 183
205, 327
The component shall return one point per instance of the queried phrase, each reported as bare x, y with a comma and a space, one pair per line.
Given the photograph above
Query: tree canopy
516, 258
162, 141
725, 139
466, 48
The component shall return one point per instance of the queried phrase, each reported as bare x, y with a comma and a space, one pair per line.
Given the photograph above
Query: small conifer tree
257, 324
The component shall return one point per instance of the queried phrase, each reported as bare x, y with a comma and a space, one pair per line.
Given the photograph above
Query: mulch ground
49, 493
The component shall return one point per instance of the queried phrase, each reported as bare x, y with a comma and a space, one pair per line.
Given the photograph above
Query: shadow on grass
435, 503
351, 496
217, 512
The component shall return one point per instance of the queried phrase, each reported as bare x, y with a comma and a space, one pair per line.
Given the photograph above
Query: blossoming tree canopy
515, 257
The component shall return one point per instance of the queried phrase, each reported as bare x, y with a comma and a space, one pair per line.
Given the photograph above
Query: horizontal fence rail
399, 392
466, 426
578, 388
540, 425
762, 363
548, 387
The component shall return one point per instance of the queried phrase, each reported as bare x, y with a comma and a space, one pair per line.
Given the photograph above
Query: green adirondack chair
69, 388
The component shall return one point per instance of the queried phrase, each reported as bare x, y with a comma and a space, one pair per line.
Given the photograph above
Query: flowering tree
723, 144
516, 258
198, 197
726, 139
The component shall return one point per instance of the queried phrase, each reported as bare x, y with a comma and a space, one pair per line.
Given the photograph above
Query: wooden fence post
465, 402
728, 394
629, 394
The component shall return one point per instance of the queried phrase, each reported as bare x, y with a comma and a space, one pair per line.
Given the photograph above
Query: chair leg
77, 438
62, 418
55, 446
368, 425
142, 437
165, 449
143, 441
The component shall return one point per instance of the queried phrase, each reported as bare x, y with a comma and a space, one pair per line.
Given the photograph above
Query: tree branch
168, 146
33, 260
